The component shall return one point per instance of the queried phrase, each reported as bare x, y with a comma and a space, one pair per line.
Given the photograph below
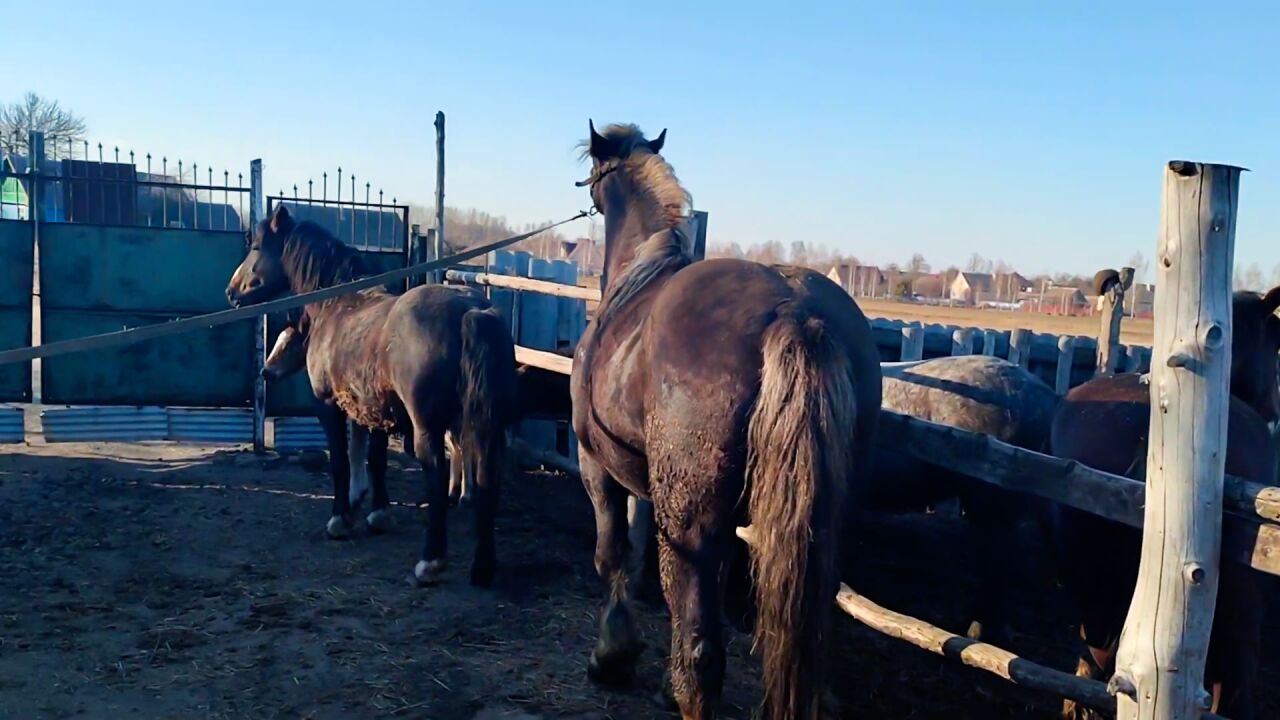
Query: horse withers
727, 392
1103, 424
288, 356
420, 364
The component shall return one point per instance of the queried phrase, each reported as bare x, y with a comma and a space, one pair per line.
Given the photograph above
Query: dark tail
489, 392
801, 455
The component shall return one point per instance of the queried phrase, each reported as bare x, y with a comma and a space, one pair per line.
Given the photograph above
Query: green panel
205, 368
98, 279
137, 269
16, 266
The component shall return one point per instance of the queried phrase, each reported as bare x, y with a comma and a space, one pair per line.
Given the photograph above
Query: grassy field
1132, 332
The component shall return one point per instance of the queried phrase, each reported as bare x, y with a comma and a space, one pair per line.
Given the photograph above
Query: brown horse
726, 392
420, 363
1103, 423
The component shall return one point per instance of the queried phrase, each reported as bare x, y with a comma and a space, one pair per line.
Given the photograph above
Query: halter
599, 173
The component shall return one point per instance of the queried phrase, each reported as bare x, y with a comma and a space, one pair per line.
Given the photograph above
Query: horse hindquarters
488, 384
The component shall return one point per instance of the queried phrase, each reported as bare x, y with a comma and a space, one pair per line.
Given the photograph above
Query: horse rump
800, 455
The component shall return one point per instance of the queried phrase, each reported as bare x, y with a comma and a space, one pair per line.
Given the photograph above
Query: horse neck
626, 227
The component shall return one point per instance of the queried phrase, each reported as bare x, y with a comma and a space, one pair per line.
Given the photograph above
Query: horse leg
691, 582
429, 447
457, 468
379, 519
994, 525
334, 423
358, 462
642, 562
486, 481
614, 658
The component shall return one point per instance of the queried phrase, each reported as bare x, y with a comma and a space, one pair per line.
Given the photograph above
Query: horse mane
313, 258
663, 251
654, 180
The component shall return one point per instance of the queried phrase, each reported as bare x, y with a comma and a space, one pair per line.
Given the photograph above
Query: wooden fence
1167, 632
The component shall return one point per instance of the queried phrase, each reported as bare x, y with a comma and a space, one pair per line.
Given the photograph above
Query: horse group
721, 394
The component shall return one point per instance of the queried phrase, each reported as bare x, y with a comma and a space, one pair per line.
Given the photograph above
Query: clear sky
1029, 131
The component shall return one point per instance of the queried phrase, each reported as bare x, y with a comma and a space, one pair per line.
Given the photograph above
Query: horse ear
1272, 300
279, 218
656, 144
600, 148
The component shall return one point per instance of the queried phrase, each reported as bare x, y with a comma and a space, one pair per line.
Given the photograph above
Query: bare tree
1140, 266
33, 112
1250, 279
978, 264
1275, 276
917, 265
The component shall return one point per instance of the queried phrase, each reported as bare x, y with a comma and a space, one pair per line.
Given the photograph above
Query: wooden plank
544, 287
545, 360
1020, 347
1066, 359
1113, 497
1161, 658
962, 341
974, 654
912, 342
1112, 304
989, 342
540, 456
699, 249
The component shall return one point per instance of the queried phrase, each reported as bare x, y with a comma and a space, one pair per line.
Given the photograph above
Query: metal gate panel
97, 279
17, 260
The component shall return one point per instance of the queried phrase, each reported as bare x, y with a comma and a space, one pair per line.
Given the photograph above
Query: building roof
981, 282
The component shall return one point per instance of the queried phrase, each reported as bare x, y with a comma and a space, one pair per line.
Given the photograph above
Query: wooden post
1066, 358
1020, 348
699, 249
1160, 662
1112, 304
912, 342
257, 213
438, 243
962, 341
989, 342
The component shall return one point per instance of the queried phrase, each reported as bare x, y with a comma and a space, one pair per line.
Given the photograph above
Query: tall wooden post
257, 212
438, 242
1112, 305
1160, 662
699, 249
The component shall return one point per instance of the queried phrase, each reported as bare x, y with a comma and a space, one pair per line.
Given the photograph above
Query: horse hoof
609, 675
337, 528
428, 572
379, 522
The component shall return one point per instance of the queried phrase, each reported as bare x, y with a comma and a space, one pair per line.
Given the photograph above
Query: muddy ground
165, 581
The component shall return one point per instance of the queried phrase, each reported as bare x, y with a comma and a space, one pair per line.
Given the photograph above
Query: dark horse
1103, 423
421, 363
725, 391
985, 395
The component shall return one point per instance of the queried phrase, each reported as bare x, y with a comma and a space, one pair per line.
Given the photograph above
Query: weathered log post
1110, 287
1160, 662
912, 342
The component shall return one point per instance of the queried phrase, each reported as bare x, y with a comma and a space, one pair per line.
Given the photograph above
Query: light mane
653, 175
663, 251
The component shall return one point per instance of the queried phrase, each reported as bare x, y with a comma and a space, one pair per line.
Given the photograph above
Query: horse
1103, 424
985, 395
726, 392
289, 355
419, 363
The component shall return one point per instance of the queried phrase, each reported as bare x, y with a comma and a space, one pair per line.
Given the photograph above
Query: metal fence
370, 224
92, 184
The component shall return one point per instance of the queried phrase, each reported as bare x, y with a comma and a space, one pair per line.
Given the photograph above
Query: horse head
261, 276
289, 354
1255, 345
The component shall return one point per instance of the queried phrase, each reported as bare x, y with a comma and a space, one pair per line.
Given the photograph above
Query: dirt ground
166, 581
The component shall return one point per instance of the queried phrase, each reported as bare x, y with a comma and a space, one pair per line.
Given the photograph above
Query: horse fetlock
338, 528
428, 572
614, 658
380, 521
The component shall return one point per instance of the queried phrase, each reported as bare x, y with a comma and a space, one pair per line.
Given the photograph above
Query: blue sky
1032, 132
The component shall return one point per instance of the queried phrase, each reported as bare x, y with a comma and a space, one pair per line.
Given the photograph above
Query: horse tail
488, 391
800, 457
